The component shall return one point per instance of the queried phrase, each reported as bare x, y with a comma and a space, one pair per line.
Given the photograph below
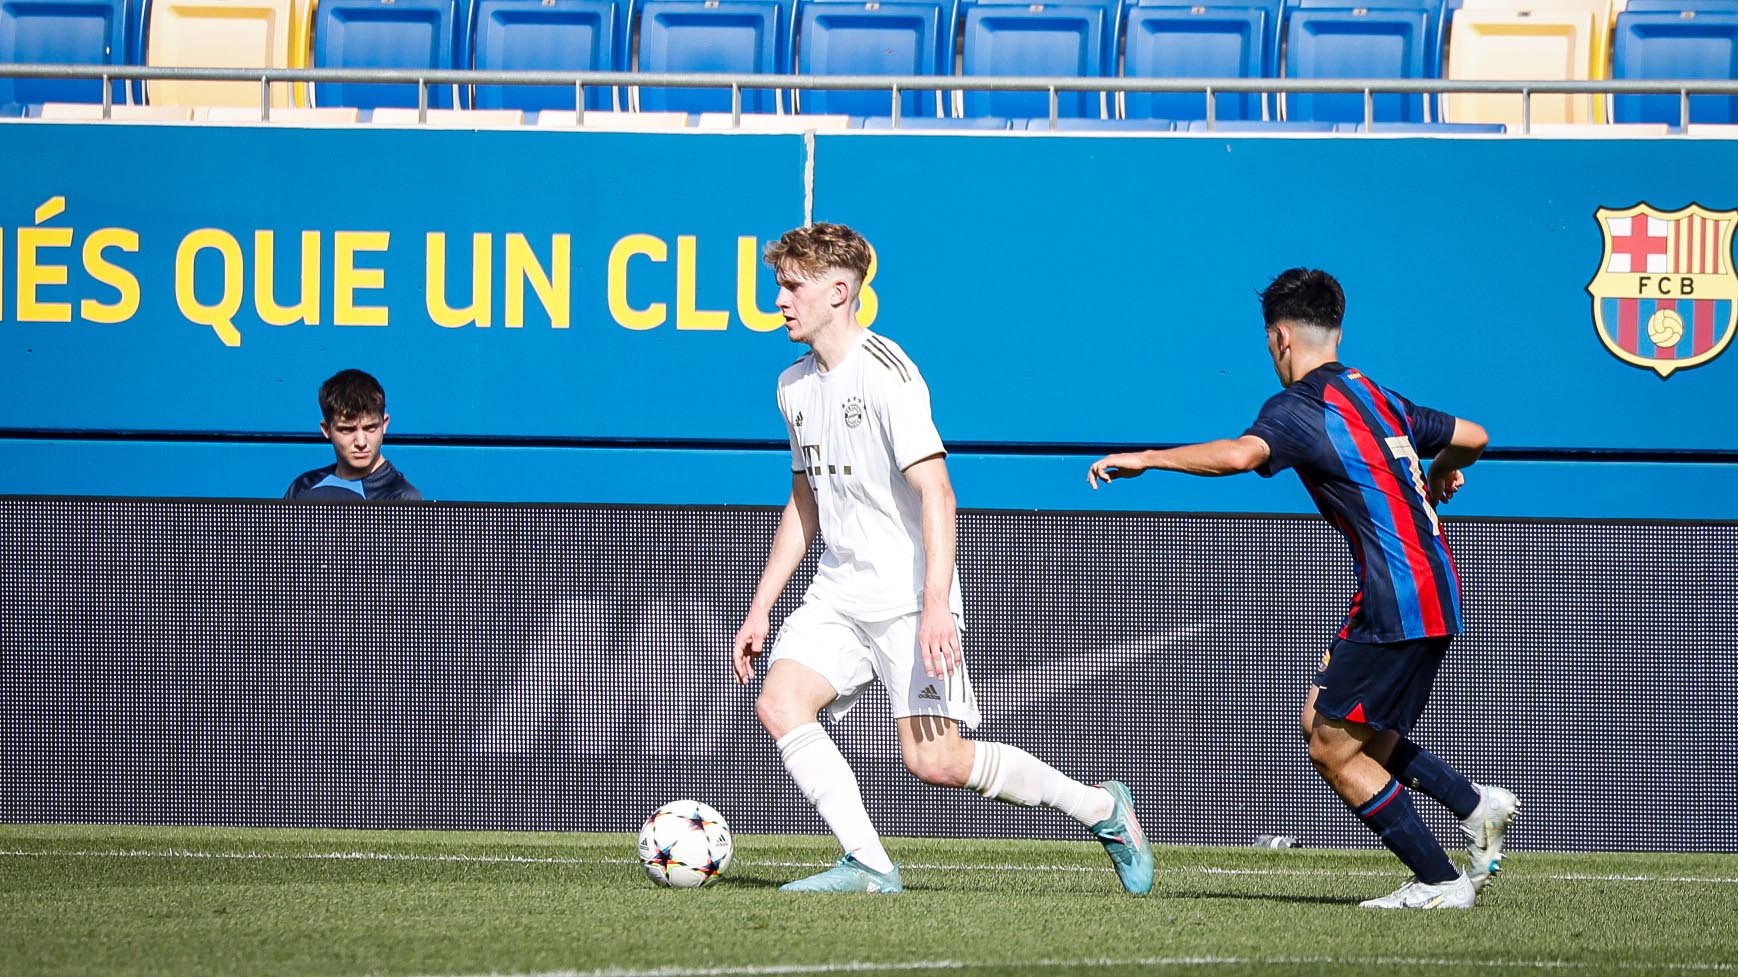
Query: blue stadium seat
736, 36
1098, 125
1248, 126
1274, 23
544, 35
869, 38
1430, 128
62, 32
1360, 43
1687, 44
1674, 6
385, 34
1036, 40
1196, 42
1115, 11
926, 124
1436, 10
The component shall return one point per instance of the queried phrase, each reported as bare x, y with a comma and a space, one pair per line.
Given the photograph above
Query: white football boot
1484, 829
1457, 893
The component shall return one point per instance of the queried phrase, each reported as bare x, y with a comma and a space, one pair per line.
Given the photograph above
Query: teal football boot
1125, 842
849, 875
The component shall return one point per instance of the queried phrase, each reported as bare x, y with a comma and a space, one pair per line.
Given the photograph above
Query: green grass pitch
103, 900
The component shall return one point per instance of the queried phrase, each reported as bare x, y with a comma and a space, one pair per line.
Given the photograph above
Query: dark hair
1305, 295
349, 394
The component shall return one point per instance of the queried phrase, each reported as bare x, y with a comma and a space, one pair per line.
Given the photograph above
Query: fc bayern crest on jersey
1664, 294
853, 412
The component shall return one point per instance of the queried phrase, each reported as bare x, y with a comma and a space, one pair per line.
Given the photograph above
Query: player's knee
778, 713
937, 768
1324, 756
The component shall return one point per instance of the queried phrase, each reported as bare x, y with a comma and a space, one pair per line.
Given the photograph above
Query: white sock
824, 777
1010, 774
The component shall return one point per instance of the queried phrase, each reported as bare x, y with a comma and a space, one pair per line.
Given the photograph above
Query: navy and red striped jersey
1356, 446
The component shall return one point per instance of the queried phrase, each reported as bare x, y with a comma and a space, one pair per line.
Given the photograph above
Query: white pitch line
372, 856
1479, 963
330, 856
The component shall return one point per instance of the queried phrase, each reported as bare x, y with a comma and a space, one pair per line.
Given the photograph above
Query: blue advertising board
498, 283
550, 310
1091, 289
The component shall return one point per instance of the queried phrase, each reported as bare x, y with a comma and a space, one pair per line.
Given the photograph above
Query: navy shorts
1383, 686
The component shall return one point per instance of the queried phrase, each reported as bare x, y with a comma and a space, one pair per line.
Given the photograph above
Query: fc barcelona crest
1665, 291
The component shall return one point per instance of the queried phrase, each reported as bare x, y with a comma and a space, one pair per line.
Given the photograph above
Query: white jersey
854, 430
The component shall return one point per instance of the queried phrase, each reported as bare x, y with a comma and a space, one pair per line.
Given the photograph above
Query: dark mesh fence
566, 668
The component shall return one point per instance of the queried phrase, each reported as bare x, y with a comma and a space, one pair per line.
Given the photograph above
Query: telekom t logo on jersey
812, 457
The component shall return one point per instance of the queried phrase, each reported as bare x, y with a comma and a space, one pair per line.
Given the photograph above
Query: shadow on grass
762, 882
1263, 897
735, 880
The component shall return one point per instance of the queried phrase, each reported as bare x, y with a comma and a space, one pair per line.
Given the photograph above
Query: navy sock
1427, 773
1391, 815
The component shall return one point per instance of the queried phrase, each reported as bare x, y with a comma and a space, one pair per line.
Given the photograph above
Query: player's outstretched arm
1225, 456
1464, 448
796, 529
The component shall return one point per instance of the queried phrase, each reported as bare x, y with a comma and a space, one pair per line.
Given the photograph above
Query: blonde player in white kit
870, 474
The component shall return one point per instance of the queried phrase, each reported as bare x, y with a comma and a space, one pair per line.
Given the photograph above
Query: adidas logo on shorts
930, 693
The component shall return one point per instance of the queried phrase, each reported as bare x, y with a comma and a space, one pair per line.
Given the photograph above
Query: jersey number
1401, 448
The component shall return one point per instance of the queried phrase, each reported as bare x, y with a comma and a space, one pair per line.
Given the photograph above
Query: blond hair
813, 249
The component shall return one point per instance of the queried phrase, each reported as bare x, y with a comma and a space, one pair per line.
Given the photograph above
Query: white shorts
850, 654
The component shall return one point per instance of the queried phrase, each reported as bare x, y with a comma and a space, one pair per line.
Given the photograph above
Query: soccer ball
685, 844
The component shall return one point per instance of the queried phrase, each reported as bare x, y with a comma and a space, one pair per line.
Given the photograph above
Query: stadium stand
385, 34
1501, 40
545, 35
62, 32
1212, 41
740, 36
870, 38
1680, 43
1040, 40
1357, 43
224, 34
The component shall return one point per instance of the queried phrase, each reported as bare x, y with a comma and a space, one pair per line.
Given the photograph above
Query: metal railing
425, 79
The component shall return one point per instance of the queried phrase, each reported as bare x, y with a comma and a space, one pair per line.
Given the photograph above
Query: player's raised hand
1443, 484
750, 642
1125, 465
940, 641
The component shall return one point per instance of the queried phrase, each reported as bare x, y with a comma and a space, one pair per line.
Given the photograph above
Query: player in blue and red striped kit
1357, 447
